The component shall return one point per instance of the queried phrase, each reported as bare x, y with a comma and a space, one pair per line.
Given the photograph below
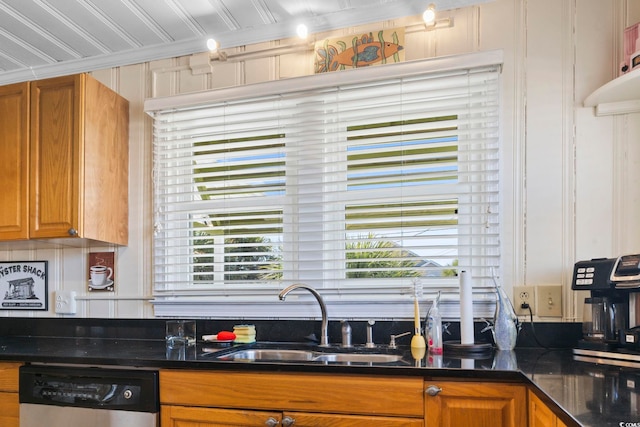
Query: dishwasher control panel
99, 388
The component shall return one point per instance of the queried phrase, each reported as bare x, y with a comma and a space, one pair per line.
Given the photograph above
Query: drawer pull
433, 390
288, 421
272, 422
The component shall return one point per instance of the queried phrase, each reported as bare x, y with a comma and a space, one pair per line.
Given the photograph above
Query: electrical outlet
549, 300
65, 302
524, 295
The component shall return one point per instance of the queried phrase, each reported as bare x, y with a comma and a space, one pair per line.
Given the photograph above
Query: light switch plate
65, 302
549, 300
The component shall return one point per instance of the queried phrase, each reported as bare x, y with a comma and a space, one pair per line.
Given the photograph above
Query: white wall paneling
570, 177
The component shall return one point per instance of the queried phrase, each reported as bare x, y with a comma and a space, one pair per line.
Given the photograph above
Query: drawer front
347, 394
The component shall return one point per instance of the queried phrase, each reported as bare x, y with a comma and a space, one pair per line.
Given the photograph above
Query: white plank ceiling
45, 38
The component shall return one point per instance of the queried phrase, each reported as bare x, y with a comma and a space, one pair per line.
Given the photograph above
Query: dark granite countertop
583, 393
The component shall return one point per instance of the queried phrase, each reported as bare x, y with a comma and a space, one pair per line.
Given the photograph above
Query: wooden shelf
619, 96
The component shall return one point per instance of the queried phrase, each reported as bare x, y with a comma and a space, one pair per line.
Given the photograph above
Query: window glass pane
401, 235
233, 244
362, 187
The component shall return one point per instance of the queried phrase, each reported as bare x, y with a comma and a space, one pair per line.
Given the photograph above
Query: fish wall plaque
383, 47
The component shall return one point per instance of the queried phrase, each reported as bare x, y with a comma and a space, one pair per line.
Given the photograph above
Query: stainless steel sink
270, 354
358, 358
286, 355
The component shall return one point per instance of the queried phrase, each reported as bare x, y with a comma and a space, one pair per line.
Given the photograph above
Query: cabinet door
9, 376
472, 404
55, 156
105, 166
9, 401
9, 409
540, 415
14, 173
184, 416
301, 419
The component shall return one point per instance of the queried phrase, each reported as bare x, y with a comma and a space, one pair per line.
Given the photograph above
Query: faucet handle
370, 343
346, 333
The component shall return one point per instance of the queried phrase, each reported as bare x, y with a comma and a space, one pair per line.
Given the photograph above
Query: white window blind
361, 189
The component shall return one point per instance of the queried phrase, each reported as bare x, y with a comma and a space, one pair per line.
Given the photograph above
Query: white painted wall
569, 177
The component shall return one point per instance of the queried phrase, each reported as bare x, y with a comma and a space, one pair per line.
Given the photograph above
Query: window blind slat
343, 187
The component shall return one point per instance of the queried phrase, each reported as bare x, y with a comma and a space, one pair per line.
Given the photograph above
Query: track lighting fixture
302, 31
212, 45
429, 15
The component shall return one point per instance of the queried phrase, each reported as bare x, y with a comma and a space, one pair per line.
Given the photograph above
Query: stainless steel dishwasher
60, 396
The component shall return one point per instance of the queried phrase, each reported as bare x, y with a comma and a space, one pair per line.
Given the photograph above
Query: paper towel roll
466, 309
467, 363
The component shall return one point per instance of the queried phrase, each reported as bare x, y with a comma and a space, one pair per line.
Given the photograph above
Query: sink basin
270, 354
358, 358
288, 355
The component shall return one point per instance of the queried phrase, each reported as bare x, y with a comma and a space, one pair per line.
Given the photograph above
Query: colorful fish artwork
362, 51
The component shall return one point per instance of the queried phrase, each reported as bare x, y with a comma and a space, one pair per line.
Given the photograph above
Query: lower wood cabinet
302, 399
207, 399
316, 420
540, 415
183, 416
475, 404
9, 409
9, 401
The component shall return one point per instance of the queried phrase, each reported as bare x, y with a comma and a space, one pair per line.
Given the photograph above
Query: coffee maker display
610, 325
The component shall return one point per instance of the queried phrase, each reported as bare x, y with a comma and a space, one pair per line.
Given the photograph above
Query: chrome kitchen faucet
324, 339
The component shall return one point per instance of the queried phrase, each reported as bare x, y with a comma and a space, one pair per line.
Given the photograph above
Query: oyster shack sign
23, 285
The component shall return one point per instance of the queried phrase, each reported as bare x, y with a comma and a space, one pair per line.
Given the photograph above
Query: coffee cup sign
101, 271
100, 274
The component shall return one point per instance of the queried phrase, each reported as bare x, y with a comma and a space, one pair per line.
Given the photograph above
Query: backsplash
554, 335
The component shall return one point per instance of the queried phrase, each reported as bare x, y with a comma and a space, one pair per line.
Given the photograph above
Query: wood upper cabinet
67, 139
475, 404
14, 173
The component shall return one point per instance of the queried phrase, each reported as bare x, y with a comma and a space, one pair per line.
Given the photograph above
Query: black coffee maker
613, 284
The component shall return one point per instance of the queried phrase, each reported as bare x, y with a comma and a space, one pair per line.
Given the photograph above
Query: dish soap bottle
434, 328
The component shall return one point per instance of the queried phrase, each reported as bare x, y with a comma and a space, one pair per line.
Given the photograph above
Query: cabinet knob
271, 422
73, 232
288, 421
433, 390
